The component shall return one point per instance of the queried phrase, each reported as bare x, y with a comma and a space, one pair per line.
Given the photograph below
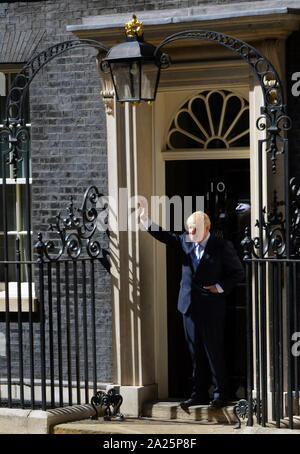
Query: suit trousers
204, 325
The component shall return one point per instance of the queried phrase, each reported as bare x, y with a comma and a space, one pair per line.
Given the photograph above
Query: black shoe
193, 401
217, 403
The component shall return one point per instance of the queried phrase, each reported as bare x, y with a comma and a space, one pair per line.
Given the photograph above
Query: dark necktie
198, 248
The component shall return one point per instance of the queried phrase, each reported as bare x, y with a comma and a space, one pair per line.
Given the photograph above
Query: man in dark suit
210, 269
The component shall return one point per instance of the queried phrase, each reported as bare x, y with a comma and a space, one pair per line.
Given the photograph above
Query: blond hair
199, 216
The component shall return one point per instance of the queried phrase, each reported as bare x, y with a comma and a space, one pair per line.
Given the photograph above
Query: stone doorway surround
135, 143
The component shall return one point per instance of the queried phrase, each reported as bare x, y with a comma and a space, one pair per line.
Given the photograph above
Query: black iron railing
52, 354
273, 318
273, 321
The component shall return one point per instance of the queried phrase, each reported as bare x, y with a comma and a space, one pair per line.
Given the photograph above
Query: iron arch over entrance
27, 73
259, 64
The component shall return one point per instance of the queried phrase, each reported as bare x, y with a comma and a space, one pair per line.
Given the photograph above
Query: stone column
129, 157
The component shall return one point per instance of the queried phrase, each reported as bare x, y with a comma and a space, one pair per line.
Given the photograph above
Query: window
15, 195
215, 119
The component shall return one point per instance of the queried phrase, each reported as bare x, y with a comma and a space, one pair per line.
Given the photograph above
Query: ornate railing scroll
76, 232
14, 147
273, 225
241, 410
275, 123
109, 403
295, 216
274, 228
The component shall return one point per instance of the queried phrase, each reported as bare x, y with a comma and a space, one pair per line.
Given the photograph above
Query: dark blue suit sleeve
232, 266
164, 236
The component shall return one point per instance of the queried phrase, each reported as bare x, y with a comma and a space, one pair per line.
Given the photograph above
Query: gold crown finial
134, 27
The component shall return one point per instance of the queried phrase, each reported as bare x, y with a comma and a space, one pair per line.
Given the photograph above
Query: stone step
170, 410
143, 426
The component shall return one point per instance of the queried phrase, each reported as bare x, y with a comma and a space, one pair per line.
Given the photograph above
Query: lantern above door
134, 66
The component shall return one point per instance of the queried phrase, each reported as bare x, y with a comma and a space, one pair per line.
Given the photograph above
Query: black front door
225, 185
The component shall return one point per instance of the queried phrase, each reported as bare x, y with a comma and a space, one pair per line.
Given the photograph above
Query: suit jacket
219, 264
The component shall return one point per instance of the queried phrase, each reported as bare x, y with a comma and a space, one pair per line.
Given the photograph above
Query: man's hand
142, 207
212, 288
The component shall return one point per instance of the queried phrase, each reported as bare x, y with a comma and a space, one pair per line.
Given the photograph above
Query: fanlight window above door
213, 119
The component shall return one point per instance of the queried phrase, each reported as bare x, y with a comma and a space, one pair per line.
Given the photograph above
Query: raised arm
164, 236
160, 234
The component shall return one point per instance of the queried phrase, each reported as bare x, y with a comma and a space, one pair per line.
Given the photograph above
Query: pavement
150, 426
